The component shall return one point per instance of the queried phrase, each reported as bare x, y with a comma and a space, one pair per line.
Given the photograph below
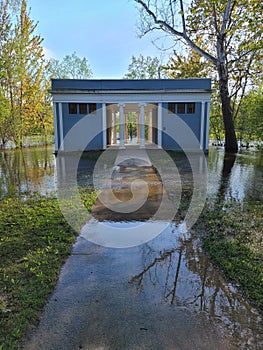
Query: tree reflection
229, 161
183, 276
25, 170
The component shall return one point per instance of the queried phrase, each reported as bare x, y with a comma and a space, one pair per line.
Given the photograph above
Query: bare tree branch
167, 27
172, 12
226, 17
215, 18
182, 16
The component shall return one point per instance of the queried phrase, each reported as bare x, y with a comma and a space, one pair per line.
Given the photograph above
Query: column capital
121, 105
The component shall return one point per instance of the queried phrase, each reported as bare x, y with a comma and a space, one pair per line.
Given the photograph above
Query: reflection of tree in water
183, 276
229, 161
23, 170
247, 180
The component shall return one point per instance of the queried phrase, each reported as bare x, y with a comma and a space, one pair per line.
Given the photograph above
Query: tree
23, 79
227, 33
249, 120
5, 125
188, 66
144, 68
29, 73
70, 67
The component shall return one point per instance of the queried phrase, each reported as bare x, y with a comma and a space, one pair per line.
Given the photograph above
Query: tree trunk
227, 111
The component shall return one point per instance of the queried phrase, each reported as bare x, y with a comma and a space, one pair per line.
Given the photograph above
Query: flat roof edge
125, 92
130, 85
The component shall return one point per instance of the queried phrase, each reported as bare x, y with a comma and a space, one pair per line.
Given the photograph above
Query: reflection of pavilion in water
121, 182
132, 124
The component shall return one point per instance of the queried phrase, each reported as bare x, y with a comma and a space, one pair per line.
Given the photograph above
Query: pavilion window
171, 107
181, 108
73, 108
92, 108
83, 108
190, 108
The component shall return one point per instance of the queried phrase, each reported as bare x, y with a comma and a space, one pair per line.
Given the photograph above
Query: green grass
35, 241
234, 240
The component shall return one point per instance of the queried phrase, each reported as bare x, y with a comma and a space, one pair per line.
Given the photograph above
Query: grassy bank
35, 242
232, 236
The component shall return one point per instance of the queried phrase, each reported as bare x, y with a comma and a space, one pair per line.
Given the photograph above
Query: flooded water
237, 177
27, 170
163, 294
34, 169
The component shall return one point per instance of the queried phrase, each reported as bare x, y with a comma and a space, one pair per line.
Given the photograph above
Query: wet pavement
163, 294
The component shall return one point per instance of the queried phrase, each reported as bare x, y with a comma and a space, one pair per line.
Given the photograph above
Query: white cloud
49, 53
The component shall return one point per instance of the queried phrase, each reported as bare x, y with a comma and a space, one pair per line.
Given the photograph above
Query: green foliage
70, 67
35, 242
5, 125
216, 120
145, 68
249, 120
23, 80
189, 65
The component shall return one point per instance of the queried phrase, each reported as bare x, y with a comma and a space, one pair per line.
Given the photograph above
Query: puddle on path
163, 294
121, 180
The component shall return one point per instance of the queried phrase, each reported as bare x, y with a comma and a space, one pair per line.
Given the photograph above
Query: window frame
70, 111
92, 108
81, 105
190, 108
171, 107
178, 105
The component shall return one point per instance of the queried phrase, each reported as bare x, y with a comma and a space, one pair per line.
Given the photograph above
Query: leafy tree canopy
145, 68
70, 67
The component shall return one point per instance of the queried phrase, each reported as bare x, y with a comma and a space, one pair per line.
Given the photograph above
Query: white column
150, 127
138, 127
207, 124
142, 126
104, 126
114, 128
122, 125
55, 126
201, 138
125, 129
61, 133
160, 125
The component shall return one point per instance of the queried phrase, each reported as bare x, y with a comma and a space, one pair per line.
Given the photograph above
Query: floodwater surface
34, 170
27, 170
162, 294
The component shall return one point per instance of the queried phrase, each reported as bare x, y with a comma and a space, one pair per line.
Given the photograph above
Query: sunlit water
167, 280
34, 169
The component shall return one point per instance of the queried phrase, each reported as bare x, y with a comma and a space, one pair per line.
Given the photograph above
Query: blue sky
104, 31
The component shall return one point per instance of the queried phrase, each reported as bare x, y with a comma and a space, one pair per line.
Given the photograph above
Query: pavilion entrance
132, 124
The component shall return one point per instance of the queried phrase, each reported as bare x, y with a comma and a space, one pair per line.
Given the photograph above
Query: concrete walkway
96, 307
163, 294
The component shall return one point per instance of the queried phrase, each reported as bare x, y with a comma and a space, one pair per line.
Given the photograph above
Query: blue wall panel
94, 125
192, 120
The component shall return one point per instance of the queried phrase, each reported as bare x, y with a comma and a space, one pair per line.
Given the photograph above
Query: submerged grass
234, 240
35, 241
